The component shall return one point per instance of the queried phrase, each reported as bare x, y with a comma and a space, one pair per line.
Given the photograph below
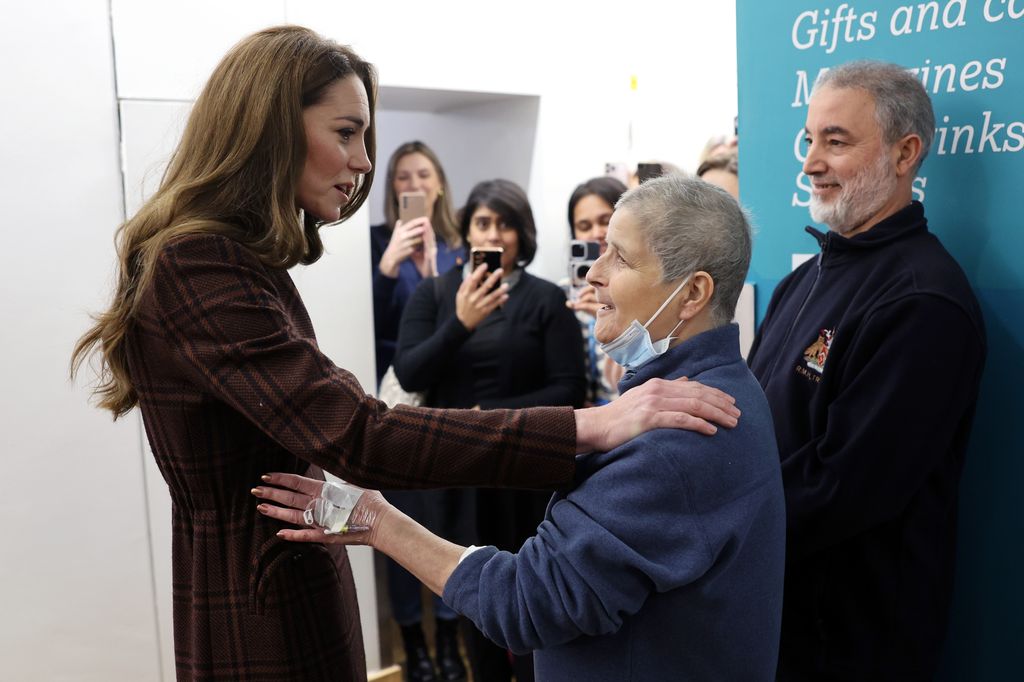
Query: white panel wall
481, 141
83, 592
75, 584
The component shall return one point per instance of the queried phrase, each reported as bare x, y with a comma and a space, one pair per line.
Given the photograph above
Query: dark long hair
606, 187
508, 200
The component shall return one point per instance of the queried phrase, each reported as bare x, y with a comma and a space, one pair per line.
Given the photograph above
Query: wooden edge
392, 673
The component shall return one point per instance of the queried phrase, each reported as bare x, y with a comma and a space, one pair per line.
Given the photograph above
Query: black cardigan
527, 353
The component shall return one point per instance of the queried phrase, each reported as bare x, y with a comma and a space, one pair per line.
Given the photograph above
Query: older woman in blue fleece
664, 560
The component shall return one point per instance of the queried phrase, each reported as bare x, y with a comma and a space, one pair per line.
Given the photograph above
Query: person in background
871, 357
208, 336
465, 351
590, 210
403, 254
664, 559
719, 145
722, 171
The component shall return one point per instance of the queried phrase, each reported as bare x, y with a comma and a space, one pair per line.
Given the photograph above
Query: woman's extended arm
224, 319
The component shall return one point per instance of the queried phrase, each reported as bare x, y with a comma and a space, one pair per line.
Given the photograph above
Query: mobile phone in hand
582, 254
412, 205
491, 255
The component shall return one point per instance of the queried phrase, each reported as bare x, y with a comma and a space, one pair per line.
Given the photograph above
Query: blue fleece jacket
663, 561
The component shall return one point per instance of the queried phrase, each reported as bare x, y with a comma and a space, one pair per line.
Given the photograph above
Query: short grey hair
691, 225
902, 105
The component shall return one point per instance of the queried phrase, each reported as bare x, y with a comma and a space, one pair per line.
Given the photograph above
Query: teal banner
969, 55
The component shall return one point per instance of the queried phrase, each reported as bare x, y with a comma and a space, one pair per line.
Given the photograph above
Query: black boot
448, 657
418, 666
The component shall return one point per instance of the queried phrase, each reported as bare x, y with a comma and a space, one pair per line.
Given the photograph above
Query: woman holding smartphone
590, 210
516, 346
207, 335
406, 247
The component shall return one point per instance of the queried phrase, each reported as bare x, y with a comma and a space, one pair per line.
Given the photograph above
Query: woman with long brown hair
208, 336
403, 254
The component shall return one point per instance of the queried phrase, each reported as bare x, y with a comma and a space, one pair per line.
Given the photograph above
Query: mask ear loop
667, 301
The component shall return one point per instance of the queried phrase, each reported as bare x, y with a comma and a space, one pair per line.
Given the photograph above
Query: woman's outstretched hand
286, 496
656, 404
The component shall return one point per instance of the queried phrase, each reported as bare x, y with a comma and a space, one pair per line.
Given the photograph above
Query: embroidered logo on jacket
817, 353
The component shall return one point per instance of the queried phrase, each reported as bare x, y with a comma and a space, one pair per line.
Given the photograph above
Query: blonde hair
233, 173
443, 218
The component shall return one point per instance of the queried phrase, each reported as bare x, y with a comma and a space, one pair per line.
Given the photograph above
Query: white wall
75, 584
81, 589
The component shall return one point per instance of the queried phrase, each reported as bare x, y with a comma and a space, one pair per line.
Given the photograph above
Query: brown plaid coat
232, 385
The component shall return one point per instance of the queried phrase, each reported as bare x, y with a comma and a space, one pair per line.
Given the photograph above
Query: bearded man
871, 357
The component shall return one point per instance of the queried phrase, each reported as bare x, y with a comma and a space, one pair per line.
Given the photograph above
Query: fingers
722, 413
318, 536
303, 484
680, 420
683, 387
292, 516
493, 299
283, 497
476, 276
493, 279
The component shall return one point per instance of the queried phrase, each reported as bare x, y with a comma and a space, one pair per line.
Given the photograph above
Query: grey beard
859, 198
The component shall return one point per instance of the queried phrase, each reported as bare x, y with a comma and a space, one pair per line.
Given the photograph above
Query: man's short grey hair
902, 105
691, 225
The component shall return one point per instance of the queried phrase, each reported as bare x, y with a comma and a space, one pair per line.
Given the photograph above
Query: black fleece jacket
871, 356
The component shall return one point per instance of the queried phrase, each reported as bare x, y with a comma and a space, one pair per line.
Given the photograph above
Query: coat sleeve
425, 348
627, 531
891, 424
565, 381
229, 331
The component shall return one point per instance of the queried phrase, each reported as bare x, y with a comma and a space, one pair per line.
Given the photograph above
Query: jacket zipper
800, 312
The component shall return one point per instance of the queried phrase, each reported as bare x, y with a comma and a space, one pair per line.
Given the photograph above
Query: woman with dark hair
722, 170
516, 347
403, 254
208, 336
590, 210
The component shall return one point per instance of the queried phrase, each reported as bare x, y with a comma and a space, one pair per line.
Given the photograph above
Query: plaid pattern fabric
231, 385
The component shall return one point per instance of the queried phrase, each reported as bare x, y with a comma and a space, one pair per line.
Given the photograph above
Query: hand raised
406, 239
474, 300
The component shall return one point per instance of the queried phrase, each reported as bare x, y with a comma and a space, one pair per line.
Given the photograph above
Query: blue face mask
633, 347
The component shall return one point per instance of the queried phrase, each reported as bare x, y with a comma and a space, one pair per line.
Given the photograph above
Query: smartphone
580, 250
491, 255
412, 205
578, 278
582, 255
648, 171
617, 170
